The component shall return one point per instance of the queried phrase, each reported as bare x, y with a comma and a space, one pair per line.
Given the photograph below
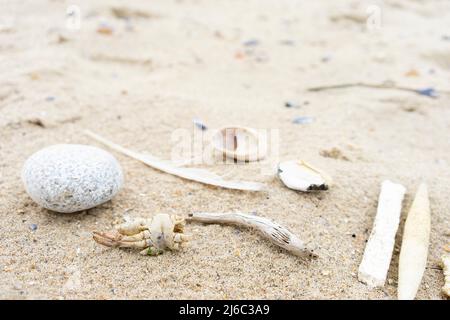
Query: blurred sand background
156, 65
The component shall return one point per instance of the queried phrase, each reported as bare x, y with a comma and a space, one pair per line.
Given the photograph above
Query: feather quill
194, 174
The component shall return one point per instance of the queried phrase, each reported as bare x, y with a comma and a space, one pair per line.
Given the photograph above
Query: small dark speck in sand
429, 92
251, 43
325, 59
199, 124
291, 105
287, 43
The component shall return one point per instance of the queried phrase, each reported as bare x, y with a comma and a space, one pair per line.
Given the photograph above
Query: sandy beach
135, 72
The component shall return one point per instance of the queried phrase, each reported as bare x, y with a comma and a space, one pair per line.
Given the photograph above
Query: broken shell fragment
239, 143
301, 176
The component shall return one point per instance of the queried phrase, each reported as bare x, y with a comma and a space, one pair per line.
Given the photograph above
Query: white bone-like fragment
378, 253
414, 251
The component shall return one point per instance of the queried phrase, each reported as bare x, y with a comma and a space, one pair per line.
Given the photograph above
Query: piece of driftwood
429, 92
193, 174
414, 250
378, 253
270, 230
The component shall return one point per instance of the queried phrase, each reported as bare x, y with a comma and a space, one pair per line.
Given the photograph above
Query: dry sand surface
224, 62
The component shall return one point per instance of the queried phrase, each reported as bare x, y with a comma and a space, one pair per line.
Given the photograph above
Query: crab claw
115, 239
108, 239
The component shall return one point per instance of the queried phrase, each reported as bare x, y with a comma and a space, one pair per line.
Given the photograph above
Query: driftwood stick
361, 84
387, 85
270, 230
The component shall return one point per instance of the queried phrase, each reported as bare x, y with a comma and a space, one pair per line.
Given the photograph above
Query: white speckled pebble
71, 177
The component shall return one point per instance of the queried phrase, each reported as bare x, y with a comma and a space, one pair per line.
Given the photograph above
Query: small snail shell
239, 143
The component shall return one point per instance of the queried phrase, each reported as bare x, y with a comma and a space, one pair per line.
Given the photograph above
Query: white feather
194, 174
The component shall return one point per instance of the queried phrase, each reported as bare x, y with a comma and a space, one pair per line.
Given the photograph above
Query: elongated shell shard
414, 251
301, 176
446, 268
378, 253
239, 143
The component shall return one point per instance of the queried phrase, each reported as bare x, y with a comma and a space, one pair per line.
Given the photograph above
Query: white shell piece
239, 143
301, 176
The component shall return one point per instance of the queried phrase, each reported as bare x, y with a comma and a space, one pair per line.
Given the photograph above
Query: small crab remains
153, 235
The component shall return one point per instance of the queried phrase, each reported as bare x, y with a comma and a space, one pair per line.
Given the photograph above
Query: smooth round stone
71, 177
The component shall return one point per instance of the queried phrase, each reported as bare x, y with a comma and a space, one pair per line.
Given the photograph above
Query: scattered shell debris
301, 176
415, 242
239, 143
